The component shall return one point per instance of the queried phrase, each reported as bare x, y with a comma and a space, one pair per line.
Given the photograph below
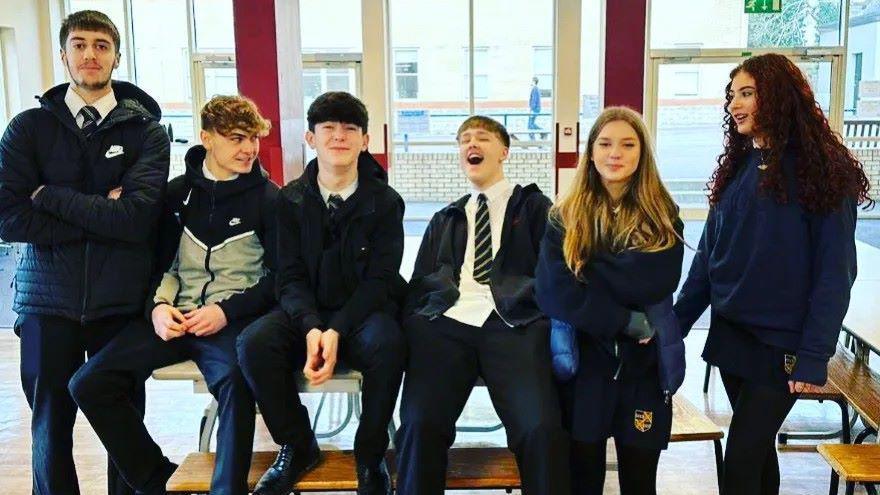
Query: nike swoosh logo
114, 150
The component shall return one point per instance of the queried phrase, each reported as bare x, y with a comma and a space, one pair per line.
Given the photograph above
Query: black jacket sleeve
588, 306
696, 293
426, 263
834, 272
295, 293
129, 217
383, 268
19, 177
259, 298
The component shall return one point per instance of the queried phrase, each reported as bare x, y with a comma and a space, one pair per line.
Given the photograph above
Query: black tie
333, 204
90, 119
482, 242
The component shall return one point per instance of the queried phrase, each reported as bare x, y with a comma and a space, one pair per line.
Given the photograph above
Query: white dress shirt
345, 192
208, 175
475, 303
75, 103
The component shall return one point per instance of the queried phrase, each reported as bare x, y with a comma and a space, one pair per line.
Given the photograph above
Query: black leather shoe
374, 480
290, 465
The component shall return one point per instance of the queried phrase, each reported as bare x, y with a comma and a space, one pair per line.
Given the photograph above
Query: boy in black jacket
217, 243
472, 313
340, 242
82, 180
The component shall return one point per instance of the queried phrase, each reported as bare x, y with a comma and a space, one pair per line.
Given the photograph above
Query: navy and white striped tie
334, 202
482, 242
90, 119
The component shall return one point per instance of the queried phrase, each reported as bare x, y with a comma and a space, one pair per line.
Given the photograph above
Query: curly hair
225, 113
788, 115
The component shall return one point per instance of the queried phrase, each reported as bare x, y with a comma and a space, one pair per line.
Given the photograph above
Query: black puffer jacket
86, 256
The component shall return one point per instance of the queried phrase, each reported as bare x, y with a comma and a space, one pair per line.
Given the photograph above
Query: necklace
763, 165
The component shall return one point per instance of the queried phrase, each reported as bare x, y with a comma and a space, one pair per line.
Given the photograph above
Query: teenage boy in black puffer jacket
82, 180
217, 246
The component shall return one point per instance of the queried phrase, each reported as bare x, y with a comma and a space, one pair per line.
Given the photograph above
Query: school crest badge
643, 420
790, 361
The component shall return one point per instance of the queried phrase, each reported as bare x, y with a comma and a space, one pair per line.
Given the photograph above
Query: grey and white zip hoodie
218, 242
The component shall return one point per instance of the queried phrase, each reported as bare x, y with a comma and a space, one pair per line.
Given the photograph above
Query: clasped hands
321, 352
171, 323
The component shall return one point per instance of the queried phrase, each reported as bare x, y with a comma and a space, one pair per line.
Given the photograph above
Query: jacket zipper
85, 297
209, 249
619, 361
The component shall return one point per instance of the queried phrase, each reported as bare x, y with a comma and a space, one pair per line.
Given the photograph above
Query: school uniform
778, 279
617, 389
217, 245
339, 262
471, 314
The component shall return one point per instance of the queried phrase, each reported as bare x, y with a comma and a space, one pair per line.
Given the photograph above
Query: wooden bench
469, 468
343, 381
858, 463
831, 393
689, 424
861, 387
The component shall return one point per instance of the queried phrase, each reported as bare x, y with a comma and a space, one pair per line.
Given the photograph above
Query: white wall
33, 72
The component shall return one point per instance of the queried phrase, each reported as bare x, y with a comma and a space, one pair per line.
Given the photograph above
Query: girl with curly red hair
776, 260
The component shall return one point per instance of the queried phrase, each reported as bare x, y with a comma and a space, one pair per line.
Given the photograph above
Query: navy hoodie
782, 271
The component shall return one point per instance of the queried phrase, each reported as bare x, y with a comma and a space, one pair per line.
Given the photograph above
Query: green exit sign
763, 6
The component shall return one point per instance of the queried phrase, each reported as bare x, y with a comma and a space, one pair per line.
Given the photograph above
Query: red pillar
256, 67
625, 52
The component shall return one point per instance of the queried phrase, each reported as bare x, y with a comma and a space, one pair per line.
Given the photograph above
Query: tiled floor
173, 416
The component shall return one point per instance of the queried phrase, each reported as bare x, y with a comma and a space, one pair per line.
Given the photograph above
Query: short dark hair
88, 20
487, 124
338, 106
225, 113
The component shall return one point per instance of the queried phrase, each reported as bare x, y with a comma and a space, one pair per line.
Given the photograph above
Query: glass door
686, 95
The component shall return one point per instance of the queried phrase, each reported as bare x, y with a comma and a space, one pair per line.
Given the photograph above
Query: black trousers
272, 354
636, 468
102, 388
52, 349
751, 466
445, 359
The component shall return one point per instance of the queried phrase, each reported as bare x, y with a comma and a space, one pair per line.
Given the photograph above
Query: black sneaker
374, 479
288, 468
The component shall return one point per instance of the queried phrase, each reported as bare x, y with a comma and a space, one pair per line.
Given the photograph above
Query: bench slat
476, 468
858, 383
690, 424
855, 463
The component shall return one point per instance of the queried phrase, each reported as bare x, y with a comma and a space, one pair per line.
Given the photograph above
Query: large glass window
542, 68
442, 75
521, 49
162, 62
481, 75
724, 24
406, 73
213, 26
428, 104
336, 29
591, 69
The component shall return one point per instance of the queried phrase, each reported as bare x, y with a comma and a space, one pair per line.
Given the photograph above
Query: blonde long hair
645, 217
